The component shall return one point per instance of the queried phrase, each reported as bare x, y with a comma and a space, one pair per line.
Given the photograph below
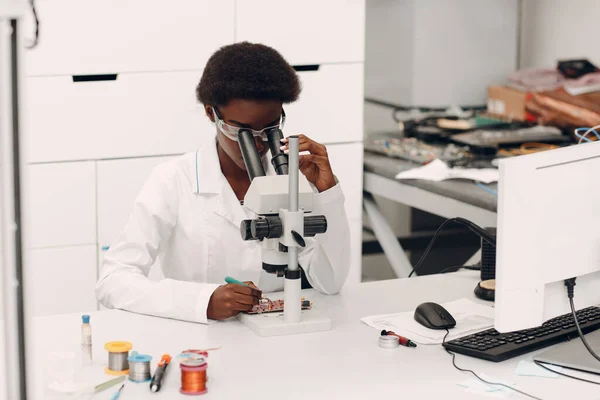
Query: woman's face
253, 114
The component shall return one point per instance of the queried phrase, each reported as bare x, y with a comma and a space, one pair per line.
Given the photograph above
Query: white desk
343, 363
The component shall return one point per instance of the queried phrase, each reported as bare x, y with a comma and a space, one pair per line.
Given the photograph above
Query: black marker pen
159, 374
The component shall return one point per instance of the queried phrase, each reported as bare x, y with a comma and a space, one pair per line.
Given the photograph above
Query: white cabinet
111, 36
61, 204
62, 280
119, 182
305, 32
134, 115
330, 107
347, 164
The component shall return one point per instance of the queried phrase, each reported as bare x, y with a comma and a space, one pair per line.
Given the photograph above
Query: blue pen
229, 279
117, 393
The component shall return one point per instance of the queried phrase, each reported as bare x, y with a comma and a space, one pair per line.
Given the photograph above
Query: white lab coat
187, 218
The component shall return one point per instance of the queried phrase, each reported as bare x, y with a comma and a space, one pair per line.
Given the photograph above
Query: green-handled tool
229, 279
108, 384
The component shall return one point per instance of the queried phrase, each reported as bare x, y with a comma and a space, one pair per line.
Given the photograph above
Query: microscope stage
273, 323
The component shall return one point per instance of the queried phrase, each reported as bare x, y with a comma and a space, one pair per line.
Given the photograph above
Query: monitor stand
573, 354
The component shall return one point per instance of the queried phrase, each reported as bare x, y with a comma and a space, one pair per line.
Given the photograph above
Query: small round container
389, 342
118, 352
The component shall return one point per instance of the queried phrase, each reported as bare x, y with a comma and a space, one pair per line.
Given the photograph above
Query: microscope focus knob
314, 224
245, 230
269, 228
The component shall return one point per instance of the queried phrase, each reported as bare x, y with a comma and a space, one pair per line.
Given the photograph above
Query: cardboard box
508, 103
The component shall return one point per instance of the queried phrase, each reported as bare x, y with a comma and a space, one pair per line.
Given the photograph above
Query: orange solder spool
193, 376
118, 354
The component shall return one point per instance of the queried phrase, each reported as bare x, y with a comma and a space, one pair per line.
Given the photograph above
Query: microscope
281, 203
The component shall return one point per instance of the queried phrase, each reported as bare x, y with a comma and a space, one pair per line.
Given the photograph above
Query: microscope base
273, 324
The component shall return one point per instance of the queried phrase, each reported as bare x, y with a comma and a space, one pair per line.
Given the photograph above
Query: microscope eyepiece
250, 154
279, 159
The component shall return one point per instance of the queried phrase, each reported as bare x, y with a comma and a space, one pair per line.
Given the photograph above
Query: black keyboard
495, 346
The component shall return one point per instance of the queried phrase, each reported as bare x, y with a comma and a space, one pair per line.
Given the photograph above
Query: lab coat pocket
228, 254
193, 247
211, 227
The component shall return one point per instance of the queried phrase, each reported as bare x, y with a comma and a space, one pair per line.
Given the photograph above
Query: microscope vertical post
292, 287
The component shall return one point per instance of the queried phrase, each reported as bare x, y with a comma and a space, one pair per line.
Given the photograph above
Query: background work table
463, 191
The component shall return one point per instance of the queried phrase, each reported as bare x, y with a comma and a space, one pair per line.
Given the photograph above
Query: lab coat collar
211, 181
208, 176
208, 170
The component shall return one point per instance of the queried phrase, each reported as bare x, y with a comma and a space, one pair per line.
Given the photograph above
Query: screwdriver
116, 395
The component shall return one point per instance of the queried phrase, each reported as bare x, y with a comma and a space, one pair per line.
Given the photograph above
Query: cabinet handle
307, 67
95, 78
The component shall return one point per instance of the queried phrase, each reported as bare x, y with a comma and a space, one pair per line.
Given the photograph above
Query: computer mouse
434, 316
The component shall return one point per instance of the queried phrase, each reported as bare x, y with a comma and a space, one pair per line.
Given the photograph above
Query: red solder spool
193, 376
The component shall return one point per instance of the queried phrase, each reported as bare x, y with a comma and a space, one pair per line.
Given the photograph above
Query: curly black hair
247, 71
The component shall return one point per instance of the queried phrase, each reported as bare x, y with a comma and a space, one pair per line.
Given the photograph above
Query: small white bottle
86, 340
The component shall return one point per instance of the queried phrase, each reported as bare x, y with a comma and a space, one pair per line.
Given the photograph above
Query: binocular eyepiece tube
250, 154
279, 159
252, 160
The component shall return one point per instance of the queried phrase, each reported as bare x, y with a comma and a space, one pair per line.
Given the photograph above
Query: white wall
438, 53
388, 50
559, 29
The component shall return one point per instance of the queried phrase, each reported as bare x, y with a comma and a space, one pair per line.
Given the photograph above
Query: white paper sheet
474, 385
470, 317
529, 368
438, 170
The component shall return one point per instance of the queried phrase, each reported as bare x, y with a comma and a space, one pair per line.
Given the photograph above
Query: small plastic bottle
86, 340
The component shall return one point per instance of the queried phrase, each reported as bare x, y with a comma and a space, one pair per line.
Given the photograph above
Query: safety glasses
232, 132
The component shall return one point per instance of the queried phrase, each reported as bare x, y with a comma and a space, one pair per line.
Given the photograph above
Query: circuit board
414, 150
270, 306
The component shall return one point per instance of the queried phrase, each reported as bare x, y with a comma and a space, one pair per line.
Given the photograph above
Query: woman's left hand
315, 166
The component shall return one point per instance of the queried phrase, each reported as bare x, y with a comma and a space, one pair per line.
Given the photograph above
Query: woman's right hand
231, 299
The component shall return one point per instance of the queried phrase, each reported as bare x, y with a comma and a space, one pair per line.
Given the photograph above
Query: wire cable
475, 267
429, 246
487, 189
37, 25
472, 227
570, 284
480, 378
563, 374
591, 130
581, 336
581, 137
584, 136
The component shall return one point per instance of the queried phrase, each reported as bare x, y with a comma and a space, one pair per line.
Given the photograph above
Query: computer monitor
548, 231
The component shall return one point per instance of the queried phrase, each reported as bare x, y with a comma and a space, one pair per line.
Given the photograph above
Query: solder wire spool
193, 374
139, 368
118, 354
